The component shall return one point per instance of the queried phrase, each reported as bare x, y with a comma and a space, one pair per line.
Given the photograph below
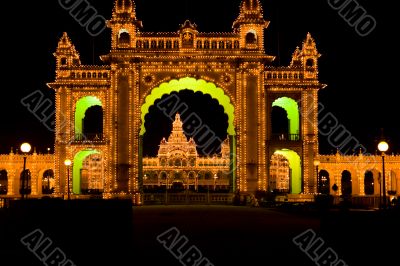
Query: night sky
361, 84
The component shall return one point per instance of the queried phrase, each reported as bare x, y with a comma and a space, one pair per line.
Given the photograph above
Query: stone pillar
122, 125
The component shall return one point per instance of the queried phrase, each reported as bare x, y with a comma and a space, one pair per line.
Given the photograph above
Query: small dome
124, 6
250, 5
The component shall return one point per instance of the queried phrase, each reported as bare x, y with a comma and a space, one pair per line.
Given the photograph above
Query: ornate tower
250, 105
250, 25
177, 135
66, 54
124, 24
309, 57
78, 88
177, 142
294, 90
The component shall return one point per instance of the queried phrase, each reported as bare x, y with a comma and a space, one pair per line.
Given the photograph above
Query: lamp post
380, 191
208, 191
25, 148
383, 147
316, 164
68, 163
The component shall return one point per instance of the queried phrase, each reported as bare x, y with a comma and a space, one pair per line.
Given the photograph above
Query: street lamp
383, 147
68, 163
316, 164
208, 191
25, 148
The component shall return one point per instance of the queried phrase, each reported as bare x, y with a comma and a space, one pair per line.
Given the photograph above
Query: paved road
225, 235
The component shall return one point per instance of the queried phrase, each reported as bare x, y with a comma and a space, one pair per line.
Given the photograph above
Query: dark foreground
110, 233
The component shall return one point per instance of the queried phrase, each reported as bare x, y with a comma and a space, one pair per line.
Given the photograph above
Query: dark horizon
354, 68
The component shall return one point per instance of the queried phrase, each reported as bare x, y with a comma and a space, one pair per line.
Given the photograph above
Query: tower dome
124, 6
251, 6
251, 12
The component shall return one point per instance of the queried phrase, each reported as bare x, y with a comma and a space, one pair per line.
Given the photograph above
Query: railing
85, 74
202, 43
284, 75
365, 201
92, 137
285, 137
188, 198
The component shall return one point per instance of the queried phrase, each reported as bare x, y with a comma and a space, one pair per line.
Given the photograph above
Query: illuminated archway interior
81, 107
292, 109
295, 167
77, 167
194, 85
213, 117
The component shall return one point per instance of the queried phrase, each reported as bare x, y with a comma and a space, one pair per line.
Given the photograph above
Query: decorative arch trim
194, 85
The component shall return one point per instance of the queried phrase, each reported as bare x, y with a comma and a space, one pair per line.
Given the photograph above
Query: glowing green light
193, 85
292, 109
233, 162
81, 107
77, 167
295, 166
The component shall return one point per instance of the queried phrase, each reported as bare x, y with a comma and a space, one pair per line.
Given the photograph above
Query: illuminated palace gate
142, 67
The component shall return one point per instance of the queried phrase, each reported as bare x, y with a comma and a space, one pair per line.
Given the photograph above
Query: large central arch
193, 85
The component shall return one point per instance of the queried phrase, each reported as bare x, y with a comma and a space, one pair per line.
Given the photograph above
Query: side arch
77, 167
369, 185
292, 109
82, 105
295, 167
346, 183
324, 182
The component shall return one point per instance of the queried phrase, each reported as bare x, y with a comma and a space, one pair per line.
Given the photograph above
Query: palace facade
231, 67
179, 165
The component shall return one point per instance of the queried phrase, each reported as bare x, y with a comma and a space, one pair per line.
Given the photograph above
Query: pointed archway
77, 169
295, 169
292, 110
173, 104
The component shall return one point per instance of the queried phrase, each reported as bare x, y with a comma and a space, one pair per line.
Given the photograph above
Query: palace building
234, 69
178, 164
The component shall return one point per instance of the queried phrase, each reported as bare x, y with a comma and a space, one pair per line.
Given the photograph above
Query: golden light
26, 147
316, 162
67, 162
383, 146
247, 145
